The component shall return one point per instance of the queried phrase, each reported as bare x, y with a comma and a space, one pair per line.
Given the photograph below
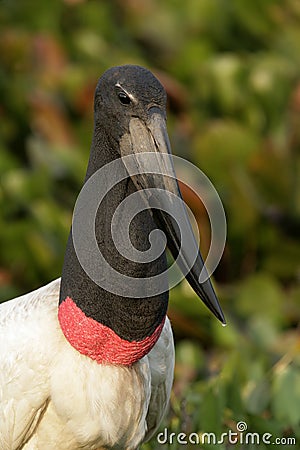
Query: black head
130, 122
125, 92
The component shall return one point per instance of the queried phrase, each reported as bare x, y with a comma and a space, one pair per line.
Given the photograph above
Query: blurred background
232, 73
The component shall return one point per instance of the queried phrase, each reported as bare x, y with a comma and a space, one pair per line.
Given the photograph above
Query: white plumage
52, 397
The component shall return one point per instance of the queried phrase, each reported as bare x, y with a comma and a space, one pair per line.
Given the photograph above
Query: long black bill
149, 143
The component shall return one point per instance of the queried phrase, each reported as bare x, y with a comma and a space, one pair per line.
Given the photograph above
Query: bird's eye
124, 98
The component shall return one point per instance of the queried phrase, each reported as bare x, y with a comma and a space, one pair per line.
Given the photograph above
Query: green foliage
231, 69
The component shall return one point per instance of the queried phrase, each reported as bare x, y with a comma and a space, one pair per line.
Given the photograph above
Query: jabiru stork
81, 366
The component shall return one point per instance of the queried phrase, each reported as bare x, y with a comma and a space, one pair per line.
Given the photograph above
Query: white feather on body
52, 397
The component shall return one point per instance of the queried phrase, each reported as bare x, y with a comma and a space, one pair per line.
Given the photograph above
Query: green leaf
286, 395
258, 397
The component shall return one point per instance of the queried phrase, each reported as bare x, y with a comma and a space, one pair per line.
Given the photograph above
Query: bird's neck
108, 327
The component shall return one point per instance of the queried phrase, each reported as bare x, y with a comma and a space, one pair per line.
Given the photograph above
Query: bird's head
127, 92
131, 103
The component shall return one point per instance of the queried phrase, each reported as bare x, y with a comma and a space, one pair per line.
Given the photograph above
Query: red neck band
98, 341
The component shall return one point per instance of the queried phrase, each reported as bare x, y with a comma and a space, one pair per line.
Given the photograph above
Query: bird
87, 363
